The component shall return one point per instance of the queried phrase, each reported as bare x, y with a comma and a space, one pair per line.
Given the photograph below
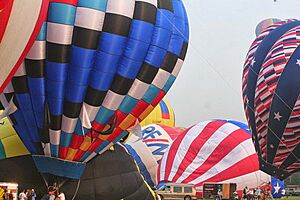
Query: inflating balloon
162, 114
96, 67
212, 151
271, 91
148, 150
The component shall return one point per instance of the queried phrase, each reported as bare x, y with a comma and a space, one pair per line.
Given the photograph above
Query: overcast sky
221, 31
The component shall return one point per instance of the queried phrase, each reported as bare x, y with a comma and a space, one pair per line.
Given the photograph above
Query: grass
290, 198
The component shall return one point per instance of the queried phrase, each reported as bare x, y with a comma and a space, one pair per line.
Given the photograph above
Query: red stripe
139, 108
5, 10
222, 150
196, 146
165, 115
63, 152
156, 140
78, 155
245, 166
76, 141
41, 18
71, 2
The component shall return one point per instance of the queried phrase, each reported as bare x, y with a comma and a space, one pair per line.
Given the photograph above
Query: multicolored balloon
162, 114
149, 150
271, 91
95, 68
212, 151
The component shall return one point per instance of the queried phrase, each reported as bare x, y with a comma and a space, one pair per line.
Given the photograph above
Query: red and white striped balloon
212, 151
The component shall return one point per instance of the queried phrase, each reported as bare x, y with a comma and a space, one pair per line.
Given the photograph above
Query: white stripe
54, 137
183, 148
91, 156
251, 180
91, 111
37, 51
47, 150
138, 89
121, 7
243, 150
163, 165
209, 146
59, 33
21, 71
153, 2
112, 100
177, 67
68, 124
161, 78
89, 18
9, 89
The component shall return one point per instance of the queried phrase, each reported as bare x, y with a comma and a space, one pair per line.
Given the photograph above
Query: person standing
22, 195
62, 196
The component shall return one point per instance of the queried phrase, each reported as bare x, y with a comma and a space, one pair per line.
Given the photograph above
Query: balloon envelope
149, 150
271, 91
162, 114
264, 24
95, 68
212, 151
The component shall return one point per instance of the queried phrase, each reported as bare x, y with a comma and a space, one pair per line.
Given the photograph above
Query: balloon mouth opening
54, 167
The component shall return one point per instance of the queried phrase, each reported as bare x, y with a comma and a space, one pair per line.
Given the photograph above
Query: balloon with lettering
162, 114
212, 151
148, 151
271, 89
96, 67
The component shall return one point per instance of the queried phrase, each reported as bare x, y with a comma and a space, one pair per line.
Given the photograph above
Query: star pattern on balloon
298, 62
277, 116
276, 188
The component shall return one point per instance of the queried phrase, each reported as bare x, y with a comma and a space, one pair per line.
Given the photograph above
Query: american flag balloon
212, 151
271, 88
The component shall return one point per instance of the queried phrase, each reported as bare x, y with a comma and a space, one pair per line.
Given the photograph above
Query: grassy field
290, 198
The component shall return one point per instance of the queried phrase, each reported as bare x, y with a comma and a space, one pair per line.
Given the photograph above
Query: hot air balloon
212, 151
102, 179
264, 24
10, 143
162, 114
148, 150
270, 93
95, 68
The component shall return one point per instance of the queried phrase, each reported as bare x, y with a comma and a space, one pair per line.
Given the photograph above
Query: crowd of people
54, 194
28, 194
257, 194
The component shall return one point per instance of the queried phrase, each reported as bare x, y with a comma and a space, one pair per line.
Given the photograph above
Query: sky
221, 32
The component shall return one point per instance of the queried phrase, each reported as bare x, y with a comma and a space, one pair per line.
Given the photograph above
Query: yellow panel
6, 130
155, 117
13, 146
71, 154
86, 143
130, 119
